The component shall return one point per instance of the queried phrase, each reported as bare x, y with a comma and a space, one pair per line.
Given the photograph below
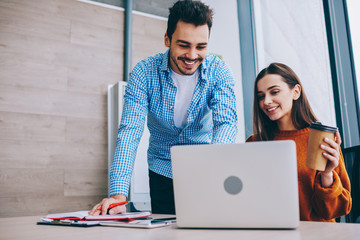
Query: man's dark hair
194, 12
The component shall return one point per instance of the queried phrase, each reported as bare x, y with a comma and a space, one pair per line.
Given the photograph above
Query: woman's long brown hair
301, 113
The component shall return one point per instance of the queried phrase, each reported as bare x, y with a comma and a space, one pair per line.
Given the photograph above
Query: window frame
342, 71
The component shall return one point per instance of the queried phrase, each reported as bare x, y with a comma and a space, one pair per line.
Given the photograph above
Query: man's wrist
119, 197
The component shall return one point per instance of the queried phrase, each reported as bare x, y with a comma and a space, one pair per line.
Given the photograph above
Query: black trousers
161, 194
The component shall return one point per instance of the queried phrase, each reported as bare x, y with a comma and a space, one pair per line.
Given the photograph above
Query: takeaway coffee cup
318, 132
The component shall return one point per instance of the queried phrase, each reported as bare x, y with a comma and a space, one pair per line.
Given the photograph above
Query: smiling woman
282, 112
281, 103
276, 99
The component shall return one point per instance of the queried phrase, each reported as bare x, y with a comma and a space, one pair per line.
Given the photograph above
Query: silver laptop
247, 185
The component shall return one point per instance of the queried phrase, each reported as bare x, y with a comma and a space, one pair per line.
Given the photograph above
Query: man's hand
102, 207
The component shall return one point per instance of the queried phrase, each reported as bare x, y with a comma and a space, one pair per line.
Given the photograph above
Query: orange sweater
316, 202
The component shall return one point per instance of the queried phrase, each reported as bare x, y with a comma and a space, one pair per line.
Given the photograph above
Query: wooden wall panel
79, 130
87, 185
148, 35
43, 204
31, 48
97, 81
52, 102
35, 154
92, 14
16, 18
29, 182
32, 73
104, 37
57, 58
32, 127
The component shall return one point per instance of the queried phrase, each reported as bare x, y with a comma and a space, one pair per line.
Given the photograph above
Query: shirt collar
165, 62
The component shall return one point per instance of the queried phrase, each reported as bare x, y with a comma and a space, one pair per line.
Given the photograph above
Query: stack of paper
84, 215
82, 218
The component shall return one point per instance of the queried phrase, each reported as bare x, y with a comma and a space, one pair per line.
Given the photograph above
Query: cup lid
319, 126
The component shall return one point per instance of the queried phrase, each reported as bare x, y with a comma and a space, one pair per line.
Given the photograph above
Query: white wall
224, 41
293, 32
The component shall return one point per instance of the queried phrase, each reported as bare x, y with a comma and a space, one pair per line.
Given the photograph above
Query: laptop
241, 185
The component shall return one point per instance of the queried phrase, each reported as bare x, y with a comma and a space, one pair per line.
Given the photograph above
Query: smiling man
188, 47
187, 97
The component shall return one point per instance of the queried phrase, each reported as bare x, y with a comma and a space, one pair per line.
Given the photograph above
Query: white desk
25, 228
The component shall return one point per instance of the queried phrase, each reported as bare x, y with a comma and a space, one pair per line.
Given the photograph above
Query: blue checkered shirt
150, 92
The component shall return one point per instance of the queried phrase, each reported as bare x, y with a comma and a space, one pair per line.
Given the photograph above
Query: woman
282, 112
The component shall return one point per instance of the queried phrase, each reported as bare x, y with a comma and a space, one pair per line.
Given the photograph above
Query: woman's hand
332, 154
102, 207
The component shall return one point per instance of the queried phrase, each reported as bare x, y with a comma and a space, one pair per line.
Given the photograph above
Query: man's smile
189, 61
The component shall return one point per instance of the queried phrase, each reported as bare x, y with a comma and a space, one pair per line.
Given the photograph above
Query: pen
115, 205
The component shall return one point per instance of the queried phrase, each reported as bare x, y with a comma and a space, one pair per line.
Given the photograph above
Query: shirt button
180, 134
172, 125
171, 107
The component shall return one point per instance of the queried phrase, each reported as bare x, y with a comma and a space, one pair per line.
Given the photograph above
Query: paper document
84, 215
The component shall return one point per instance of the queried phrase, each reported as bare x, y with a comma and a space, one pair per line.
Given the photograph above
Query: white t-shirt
185, 85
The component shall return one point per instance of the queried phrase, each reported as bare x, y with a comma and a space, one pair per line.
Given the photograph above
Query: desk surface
26, 228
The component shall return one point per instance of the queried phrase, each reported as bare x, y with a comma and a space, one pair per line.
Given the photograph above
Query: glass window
294, 33
353, 7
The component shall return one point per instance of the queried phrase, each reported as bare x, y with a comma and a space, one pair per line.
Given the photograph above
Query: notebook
242, 185
84, 216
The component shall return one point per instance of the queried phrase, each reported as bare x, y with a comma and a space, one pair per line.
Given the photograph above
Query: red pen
115, 205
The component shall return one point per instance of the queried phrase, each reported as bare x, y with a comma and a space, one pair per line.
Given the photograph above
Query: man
188, 98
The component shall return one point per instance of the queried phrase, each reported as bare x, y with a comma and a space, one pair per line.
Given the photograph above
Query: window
353, 8
343, 69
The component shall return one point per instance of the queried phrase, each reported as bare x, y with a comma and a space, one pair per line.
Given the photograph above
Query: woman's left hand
332, 154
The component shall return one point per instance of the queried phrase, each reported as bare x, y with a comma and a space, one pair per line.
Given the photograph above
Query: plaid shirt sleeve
223, 105
130, 131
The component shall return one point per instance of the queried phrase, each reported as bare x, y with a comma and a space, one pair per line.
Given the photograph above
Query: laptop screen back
247, 185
